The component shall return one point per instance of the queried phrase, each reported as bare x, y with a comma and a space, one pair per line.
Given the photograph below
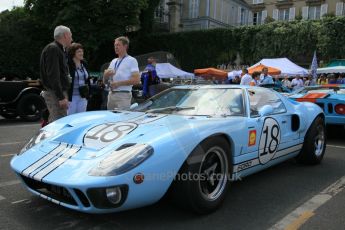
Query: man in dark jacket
54, 73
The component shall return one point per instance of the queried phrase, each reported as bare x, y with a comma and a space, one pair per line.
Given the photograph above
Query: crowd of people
293, 83
331, 79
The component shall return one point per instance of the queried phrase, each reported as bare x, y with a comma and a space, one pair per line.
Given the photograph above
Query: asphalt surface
257, 202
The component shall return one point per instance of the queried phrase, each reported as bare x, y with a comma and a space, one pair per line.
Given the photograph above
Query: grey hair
124, 40
61, 30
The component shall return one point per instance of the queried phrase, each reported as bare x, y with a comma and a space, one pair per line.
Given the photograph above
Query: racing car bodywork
190, 140
330, 97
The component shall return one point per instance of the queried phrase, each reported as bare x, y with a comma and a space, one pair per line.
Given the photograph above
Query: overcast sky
8, 4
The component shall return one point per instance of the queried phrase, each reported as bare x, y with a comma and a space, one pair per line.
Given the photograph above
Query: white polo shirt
124, 68
297, 83
246, 79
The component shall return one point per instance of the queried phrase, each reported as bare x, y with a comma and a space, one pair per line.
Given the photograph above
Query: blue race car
330, 97
189, 140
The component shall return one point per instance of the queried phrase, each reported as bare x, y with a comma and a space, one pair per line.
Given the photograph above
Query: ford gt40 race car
189, 140
330, 97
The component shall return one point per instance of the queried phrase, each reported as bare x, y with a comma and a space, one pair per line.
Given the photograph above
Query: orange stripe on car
311, 97
330, 85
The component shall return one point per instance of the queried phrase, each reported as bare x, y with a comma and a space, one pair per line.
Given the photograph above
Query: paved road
286, 195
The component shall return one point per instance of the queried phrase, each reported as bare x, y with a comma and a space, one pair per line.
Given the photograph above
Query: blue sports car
330, 97
190, 141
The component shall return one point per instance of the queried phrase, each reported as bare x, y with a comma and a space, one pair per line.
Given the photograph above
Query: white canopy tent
333, 69
232, 74
286, 66
166, 70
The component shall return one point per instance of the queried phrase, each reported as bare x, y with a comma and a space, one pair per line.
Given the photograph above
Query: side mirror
133, 106
266, 110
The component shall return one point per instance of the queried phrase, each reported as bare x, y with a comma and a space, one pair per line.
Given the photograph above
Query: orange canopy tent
258, 68
209, 73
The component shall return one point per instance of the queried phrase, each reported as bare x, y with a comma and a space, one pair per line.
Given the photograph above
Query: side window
259, 97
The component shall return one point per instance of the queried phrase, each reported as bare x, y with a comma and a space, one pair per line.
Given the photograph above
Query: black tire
30, 107
195, 186
314, 144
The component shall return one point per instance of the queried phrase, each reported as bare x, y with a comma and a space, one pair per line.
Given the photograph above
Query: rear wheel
203, 180
314, 143
30, 107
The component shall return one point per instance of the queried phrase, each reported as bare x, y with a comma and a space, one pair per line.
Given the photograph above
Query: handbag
84, 91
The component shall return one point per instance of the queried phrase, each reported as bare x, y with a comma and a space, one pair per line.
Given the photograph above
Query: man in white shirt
122, 74
246, 78
297, 82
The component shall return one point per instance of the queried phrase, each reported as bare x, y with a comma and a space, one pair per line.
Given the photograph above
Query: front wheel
203, 180
314, 144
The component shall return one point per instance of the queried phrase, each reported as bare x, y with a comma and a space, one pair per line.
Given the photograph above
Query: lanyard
118, 63
81, 70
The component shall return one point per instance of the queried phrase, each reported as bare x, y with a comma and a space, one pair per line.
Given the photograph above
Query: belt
121, 91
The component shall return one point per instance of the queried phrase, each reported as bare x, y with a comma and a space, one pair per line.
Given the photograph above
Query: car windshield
196, 102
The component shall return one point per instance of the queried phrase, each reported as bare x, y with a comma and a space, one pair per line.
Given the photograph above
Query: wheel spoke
210, 172
319, 141
213, 168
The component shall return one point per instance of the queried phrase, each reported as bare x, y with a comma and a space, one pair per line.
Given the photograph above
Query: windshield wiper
170, 108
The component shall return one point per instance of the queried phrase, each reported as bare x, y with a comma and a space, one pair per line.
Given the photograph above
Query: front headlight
40, 136
122, 160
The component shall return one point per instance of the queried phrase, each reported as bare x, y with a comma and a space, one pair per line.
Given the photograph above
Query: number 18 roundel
102, 135
269, 140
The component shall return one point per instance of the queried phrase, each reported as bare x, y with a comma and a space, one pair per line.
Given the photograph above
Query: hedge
295, 40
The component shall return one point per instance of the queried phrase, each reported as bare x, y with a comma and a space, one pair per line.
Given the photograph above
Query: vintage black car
21, 98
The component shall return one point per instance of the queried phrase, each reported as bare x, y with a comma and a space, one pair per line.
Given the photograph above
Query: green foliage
94, 23
147, 16
269, 19
330, 15
295, 40
19, 41
331, 37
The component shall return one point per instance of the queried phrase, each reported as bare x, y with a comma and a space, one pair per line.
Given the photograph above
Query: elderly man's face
68, 38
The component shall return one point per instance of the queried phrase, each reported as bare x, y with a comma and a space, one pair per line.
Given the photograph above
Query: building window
314, 12
193, 8
339, 9
283, 15
257, 2
257, 18
243, 16
159, 12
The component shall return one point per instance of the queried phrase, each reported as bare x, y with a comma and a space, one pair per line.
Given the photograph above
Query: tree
94, 23
147, 16
20, 44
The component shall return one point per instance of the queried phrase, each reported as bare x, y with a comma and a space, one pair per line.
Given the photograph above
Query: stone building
289, 10
184, 15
